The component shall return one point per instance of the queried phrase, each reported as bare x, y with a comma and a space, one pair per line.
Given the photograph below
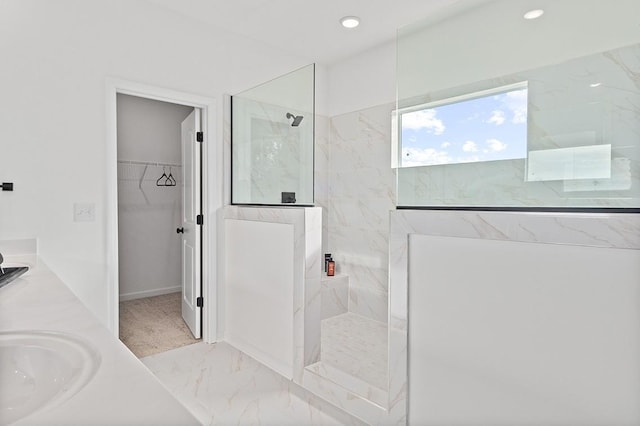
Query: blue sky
489, 128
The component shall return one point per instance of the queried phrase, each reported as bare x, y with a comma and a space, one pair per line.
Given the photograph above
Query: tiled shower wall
355, 185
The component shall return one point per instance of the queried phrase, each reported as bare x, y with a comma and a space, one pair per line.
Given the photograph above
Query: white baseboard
149, 293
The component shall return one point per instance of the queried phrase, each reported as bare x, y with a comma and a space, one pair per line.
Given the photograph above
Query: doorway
159, 240
154, 178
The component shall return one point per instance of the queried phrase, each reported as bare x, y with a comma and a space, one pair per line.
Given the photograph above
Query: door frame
212, 184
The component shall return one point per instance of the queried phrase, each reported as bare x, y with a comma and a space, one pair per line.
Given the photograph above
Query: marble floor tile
357, 346
223, 386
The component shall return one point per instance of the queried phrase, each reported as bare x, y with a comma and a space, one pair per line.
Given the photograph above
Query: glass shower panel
526, 112
272, 142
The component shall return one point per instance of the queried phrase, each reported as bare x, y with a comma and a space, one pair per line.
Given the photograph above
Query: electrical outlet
84, 212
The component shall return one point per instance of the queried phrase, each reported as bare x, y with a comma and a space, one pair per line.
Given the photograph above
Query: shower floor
354, 354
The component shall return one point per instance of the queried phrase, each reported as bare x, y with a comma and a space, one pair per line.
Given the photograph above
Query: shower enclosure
294, 318
517, 120
272, 141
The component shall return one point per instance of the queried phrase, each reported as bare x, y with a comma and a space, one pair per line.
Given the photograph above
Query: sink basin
41, 369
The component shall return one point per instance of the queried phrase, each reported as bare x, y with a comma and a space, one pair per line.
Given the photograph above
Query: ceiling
306, 28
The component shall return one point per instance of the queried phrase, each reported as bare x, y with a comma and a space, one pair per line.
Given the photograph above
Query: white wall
56, 57
522, 333
362, 81
149, 130
150, 259
259, 291
458, 47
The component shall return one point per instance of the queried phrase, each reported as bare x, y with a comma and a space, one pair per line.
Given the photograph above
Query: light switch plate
84, 212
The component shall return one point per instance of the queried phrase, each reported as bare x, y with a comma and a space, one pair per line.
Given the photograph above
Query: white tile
221, 385
335, 296
369, 302
358, 346
350, 382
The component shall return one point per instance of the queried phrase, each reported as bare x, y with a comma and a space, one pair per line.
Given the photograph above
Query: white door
190, 229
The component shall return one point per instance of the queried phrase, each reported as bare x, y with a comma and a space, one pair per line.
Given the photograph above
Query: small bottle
327, 258
331, 268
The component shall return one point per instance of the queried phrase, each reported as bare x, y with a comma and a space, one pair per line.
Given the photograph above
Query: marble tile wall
596, 230
361, 192
321, 173
306, 274
335, 296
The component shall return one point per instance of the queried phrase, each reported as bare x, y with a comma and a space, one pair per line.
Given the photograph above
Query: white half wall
259, 291
505, 332
255, 248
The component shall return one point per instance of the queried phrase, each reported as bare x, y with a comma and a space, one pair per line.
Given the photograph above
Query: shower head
296, 119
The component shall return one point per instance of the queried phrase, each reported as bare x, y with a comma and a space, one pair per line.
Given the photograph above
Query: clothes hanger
165, 177
171, 179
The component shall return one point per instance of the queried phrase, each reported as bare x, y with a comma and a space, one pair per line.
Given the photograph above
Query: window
483, 126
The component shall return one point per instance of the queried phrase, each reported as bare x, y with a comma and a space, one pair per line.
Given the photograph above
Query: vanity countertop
122, 392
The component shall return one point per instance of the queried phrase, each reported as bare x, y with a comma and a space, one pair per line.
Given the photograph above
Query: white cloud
424, 157
516, 102
497, 117
445, 145
470, 146
424, 119
495, 145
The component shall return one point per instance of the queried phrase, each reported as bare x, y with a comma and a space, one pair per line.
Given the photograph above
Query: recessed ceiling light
350, 21
595, 84
534, 14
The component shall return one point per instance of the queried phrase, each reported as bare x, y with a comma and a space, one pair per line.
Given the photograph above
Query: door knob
180, 230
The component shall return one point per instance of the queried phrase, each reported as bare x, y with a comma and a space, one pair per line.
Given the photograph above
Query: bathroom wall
361, 194
150, 260
362, 81
53, 118
360, 85
355, 187
354, 182
322, 141
522, 333
560, 317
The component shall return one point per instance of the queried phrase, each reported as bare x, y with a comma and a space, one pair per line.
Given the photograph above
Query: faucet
10, 273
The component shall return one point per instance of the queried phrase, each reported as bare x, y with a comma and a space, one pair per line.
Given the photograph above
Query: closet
150, 209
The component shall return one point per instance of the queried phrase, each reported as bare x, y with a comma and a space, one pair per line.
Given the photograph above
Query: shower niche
272, 141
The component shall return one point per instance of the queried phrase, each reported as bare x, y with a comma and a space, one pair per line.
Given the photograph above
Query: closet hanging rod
148, 163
